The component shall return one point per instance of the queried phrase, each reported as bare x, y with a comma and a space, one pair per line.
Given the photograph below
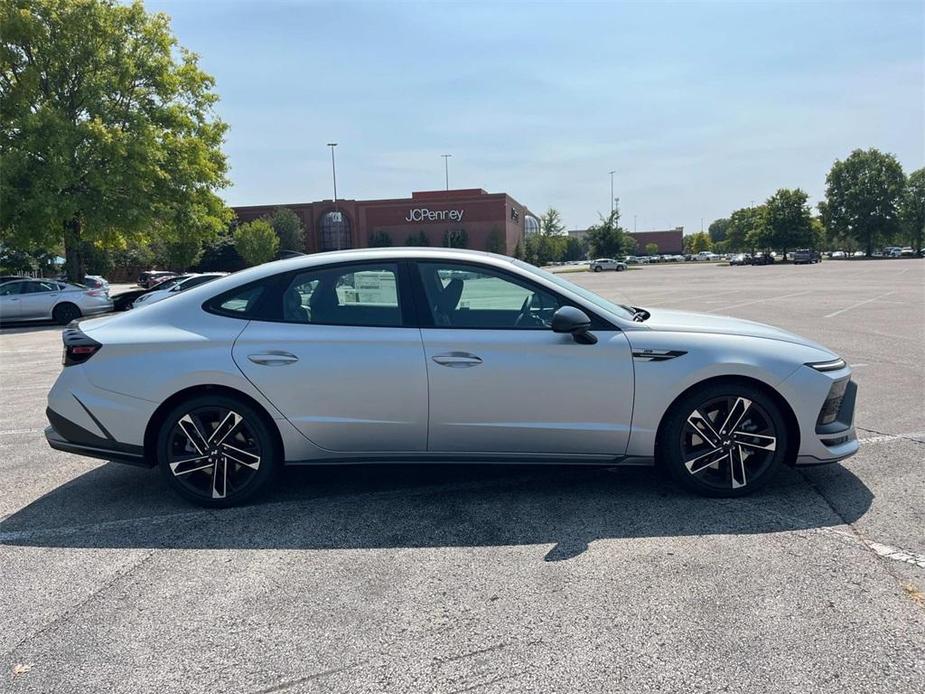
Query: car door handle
457, 360
273, 358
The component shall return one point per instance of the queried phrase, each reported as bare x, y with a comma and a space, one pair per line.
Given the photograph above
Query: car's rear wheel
724, 440
65, 313
597, 268
216, 451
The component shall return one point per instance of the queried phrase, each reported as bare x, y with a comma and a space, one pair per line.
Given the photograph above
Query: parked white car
38, 299
426, 354
706, 255
606, 264
175, 286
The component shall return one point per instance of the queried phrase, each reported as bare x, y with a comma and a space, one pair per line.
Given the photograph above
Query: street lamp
332, 145
446, 168
611, 191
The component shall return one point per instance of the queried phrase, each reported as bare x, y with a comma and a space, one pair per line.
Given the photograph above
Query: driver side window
464, 296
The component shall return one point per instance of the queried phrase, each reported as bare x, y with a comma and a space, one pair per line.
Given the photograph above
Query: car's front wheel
216, 451
597, 268
723, 440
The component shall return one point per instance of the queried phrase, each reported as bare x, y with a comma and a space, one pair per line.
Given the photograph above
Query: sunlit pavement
492, 579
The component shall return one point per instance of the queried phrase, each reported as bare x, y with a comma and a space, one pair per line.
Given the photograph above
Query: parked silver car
38, 299
439, 355
606, 264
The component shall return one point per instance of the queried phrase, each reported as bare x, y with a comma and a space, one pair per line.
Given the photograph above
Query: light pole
332, 145
634, 224
611, 191
446, 168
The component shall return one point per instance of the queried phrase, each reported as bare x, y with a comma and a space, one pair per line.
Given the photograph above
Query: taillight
78, 347
94, 292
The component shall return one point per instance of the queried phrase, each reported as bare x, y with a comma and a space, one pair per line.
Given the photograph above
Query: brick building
489, 219
668, 240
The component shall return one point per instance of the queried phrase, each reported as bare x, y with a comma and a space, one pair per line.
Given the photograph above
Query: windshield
597, 300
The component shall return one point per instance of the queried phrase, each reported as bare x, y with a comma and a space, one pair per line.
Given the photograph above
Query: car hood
689, 322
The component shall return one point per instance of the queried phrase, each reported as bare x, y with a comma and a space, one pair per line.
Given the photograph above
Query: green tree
696, 242
862, 197
746, 226
180, 254
456, 238
220, 255
651, 249
107, 128
256, 242
380, 239
519, 251
788, 220
288, 227
495, 242
576, 249
912, 209
607, 238
718, 230
417, 238
551, 223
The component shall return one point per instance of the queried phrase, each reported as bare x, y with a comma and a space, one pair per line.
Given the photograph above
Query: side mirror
569, 319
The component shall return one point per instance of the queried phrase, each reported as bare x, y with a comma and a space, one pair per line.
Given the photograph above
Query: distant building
489, 219
667, 240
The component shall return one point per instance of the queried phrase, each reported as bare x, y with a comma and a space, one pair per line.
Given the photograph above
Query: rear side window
366, 295
239, 303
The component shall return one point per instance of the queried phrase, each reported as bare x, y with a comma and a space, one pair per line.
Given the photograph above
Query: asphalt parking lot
481, 579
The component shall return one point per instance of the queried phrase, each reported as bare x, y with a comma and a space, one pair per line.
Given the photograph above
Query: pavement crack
74, 609
307, 678
904, 437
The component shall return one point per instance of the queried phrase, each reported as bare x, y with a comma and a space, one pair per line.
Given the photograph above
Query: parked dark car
805, 256
762, 259
123, 301
149, 278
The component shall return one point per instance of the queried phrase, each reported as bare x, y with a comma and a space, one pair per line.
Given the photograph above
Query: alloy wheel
728, 441
213, 452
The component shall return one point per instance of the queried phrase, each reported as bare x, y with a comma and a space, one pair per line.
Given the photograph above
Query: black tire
597, 268
741, 462
200, 479
65, 313
620, 268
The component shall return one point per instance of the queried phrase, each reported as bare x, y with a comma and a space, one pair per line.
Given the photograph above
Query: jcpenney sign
422, 214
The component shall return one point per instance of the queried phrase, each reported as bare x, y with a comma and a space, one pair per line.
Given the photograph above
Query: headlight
831, 365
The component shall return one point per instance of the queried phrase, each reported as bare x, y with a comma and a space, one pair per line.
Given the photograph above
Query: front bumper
806, 391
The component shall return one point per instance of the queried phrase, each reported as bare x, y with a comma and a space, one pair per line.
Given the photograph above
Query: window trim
426, 319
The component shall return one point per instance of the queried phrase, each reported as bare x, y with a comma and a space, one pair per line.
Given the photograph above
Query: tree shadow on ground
406, 506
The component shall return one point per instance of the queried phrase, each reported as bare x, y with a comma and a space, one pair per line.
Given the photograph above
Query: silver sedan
398, 355
41, 299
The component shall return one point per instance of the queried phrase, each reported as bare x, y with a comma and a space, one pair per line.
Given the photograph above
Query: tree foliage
718, 230
107, 130
288, 227
456, 238
380, 239
417, 238
787, 220
696, 242
256, 242
607, 238
863, 195
745, 229
651, 249
220, 255
912, 209
551, 223
495, 242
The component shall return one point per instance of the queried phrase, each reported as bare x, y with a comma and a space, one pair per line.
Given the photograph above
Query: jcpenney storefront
485, 221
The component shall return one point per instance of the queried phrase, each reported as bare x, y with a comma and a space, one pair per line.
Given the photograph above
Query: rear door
340, 357
38, 299
501, 381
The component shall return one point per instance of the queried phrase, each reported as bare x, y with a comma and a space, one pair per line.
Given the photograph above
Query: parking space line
857, 305
759, 301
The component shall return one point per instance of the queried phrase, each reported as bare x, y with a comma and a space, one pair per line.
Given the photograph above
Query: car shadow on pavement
10, 328
407, 506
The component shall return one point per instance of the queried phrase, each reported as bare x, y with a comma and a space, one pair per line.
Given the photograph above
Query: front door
339, 361
500, 381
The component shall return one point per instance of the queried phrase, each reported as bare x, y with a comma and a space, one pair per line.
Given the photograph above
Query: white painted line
896, 554
857, 305
10, 432
759, 301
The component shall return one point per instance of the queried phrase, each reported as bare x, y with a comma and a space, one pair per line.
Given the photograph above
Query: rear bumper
96, 310
65, 435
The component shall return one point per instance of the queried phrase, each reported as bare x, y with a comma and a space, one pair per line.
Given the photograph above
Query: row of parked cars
29, 299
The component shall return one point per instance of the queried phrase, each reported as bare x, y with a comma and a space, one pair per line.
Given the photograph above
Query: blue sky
700, 108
